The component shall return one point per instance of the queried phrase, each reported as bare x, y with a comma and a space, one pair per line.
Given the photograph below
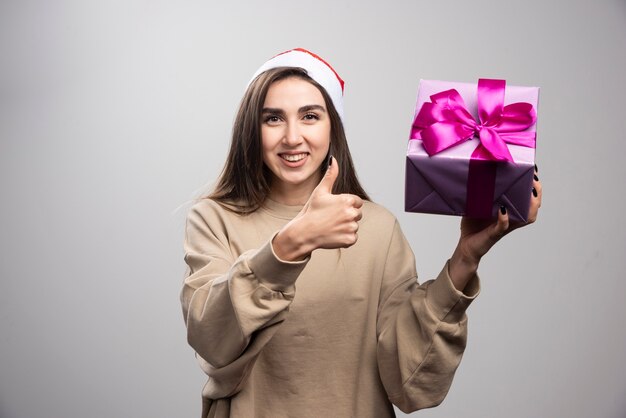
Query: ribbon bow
446, 122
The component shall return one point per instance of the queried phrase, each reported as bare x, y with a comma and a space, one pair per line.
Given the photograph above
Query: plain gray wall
113, 114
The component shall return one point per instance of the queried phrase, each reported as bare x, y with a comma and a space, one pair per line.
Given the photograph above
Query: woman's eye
272, 119
311, 116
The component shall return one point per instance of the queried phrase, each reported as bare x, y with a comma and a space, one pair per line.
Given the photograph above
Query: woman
301, 298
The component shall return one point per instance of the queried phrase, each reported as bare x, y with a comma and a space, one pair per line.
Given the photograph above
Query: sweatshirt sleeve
421, 329
231, 306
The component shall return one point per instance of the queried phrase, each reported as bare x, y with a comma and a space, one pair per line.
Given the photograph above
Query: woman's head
247, 179
295, 138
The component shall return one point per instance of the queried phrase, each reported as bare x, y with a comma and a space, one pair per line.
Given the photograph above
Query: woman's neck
292, 194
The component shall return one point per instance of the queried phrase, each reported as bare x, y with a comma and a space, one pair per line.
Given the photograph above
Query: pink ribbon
446, 122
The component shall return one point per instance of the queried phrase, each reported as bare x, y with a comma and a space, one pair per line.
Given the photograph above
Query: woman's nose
293, 136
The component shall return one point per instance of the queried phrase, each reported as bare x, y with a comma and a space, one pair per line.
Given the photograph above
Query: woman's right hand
326, 221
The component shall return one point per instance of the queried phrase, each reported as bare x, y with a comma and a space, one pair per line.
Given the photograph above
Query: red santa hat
316, 68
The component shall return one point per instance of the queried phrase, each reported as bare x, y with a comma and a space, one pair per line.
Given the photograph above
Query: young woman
301, 298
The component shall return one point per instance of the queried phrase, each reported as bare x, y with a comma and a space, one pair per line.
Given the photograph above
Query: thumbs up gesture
326, 221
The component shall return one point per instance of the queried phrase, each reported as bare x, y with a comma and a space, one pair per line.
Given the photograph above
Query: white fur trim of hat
316, 68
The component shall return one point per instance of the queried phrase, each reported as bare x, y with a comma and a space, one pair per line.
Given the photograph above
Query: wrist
462, 268
290, 244
466, 260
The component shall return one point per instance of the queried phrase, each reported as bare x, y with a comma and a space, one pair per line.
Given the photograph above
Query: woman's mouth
293, 158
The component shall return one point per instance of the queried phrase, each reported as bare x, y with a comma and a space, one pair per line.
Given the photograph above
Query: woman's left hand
478, 236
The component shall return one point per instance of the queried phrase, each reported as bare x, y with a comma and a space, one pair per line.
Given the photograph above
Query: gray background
114, 114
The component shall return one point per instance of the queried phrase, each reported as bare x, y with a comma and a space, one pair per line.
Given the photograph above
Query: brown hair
245, 180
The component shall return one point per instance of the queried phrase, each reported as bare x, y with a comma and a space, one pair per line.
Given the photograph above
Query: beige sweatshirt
344, 333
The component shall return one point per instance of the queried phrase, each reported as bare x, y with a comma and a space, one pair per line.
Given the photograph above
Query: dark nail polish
536, 178
330, 160
536, 169
503, 210
534, 192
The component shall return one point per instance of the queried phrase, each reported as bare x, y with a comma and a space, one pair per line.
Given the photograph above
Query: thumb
326, 185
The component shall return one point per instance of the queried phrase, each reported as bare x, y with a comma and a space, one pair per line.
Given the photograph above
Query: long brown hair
245, 180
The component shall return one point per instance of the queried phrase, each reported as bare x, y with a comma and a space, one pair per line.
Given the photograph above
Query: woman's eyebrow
308, 108
303, 109
272, 110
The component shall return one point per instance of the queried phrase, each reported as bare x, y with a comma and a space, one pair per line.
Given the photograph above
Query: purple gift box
472, 149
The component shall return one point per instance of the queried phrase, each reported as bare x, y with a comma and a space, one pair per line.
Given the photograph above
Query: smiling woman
245, 180
360, 333
296, 138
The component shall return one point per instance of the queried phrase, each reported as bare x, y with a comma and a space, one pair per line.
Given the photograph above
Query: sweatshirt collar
280, 210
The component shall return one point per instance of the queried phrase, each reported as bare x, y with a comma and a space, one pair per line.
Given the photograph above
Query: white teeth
293, 158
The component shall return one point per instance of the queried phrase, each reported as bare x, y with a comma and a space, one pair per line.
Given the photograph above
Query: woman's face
295, 135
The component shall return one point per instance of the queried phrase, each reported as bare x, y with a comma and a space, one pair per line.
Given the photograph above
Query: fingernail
536, 169
330, 160
534, 192
536, 178
503, 210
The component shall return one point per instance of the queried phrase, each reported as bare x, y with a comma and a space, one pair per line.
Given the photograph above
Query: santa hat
316, 68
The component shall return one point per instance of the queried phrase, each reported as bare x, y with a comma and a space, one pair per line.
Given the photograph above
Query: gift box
472, 149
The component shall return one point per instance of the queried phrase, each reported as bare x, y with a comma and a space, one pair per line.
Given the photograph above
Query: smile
293, 157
